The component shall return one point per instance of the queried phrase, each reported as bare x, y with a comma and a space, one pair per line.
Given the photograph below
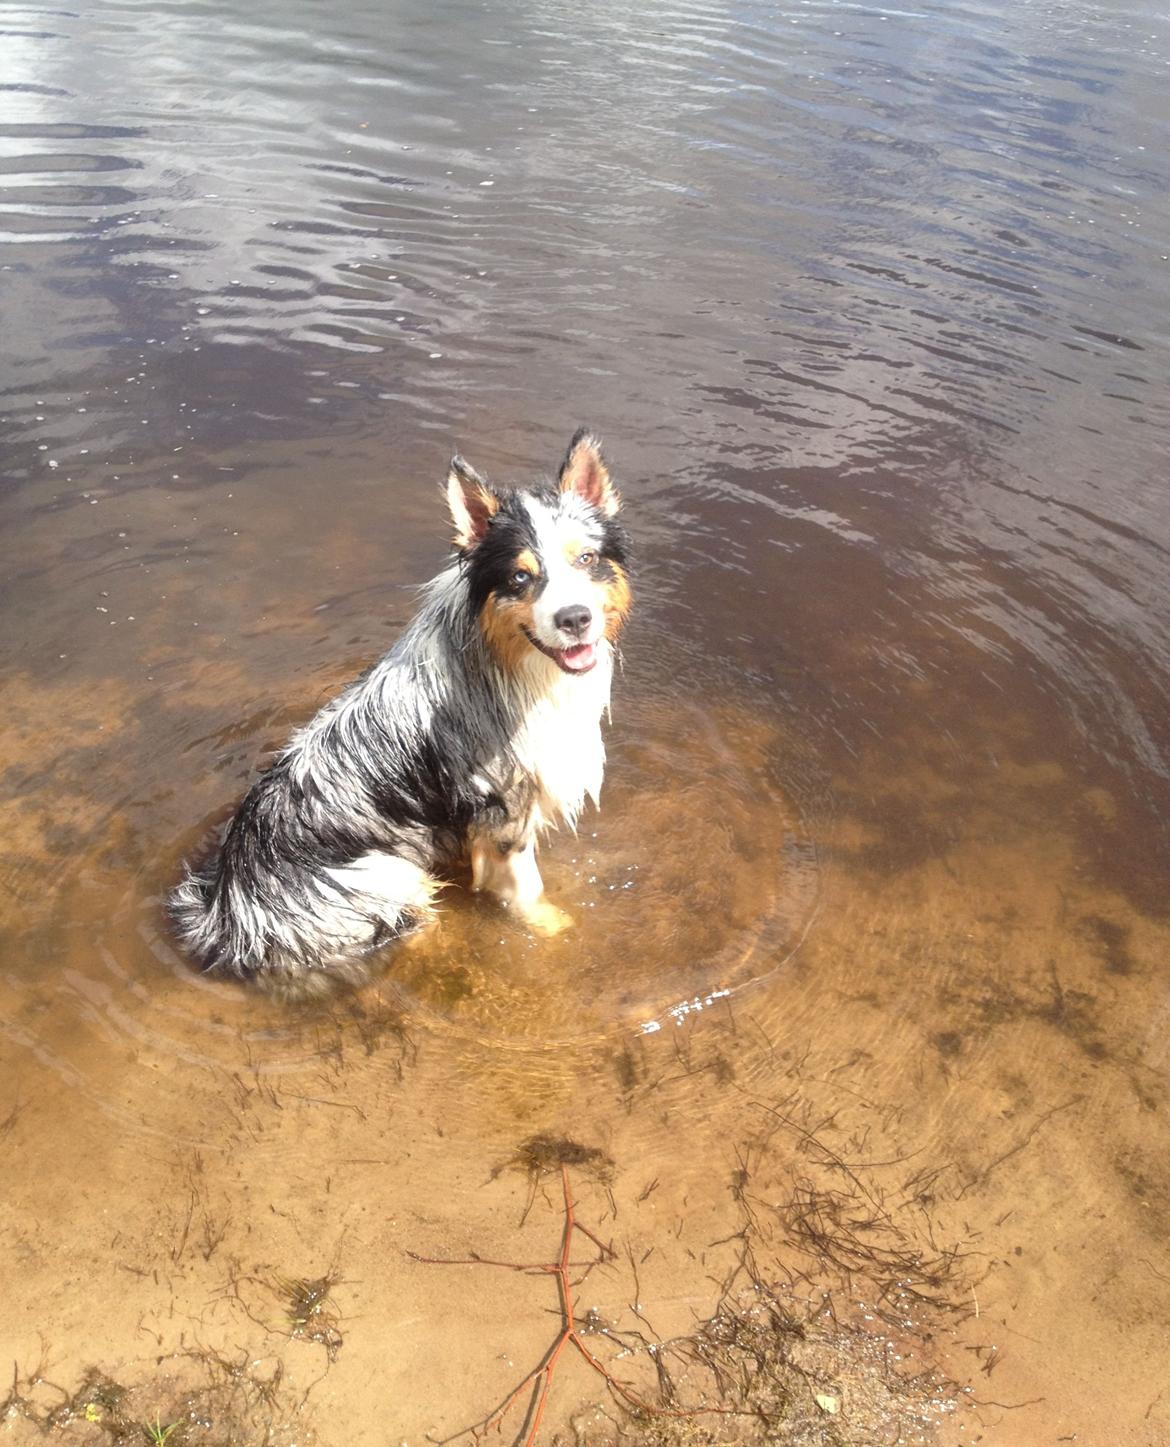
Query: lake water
859, 1047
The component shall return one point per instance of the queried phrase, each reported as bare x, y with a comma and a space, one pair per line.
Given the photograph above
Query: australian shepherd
479, 729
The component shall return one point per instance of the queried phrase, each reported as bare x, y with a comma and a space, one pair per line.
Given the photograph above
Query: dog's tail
213, 933
298, 930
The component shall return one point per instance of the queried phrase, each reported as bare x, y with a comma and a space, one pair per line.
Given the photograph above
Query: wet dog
479, 729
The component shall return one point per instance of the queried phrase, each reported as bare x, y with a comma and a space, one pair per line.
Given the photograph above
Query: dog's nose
574, 619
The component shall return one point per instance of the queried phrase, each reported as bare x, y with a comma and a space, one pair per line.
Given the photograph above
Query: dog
478, 731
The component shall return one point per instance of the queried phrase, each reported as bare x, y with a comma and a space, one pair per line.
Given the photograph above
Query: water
870, 307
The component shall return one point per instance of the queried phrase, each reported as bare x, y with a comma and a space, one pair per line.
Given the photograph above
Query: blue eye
520, 577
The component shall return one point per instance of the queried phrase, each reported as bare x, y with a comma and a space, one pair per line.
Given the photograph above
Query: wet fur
464, 741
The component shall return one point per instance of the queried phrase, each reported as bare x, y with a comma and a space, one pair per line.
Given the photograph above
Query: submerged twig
540, 1378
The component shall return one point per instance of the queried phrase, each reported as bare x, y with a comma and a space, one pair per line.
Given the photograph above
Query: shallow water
870, 307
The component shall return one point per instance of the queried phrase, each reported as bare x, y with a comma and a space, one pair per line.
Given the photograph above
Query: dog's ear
585, 473
472, 502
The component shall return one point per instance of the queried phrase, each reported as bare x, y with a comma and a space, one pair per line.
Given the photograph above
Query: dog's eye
520, 577
586, 560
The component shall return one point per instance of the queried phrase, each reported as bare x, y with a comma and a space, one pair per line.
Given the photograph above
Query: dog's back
330, 854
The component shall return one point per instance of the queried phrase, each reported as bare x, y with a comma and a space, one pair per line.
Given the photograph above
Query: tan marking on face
502, 623
575, 546
617, 600
529, 562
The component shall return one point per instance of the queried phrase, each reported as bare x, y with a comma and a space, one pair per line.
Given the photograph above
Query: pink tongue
580, 656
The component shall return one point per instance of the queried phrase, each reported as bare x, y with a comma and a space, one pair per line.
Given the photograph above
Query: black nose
574, 619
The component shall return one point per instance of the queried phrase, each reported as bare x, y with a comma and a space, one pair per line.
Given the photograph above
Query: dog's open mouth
580, 658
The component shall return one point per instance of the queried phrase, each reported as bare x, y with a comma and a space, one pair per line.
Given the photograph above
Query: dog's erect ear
585, 473
472, 502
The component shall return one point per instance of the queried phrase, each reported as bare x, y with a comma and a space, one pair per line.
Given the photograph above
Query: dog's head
547, 567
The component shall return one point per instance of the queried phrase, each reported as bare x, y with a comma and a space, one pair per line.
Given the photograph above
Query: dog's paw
545, 919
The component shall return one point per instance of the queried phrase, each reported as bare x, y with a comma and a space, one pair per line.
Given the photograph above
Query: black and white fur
478, 730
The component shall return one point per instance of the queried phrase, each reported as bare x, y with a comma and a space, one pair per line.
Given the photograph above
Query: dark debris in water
311, 1315
98, 1397
195, 1399
308, 1311
544, 1154
788, 1355
1112, 942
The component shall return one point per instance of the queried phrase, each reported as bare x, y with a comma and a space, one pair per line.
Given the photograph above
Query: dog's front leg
510, 872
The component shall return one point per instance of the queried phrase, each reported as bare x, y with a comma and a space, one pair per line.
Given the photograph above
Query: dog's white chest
559, 743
